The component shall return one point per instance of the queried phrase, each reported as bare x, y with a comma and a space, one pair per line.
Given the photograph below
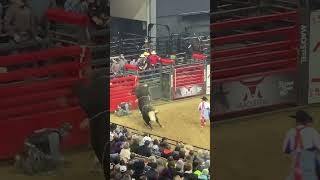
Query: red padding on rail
255, 68
25, 99
255, 58
166, 61
252, 48
43, 71
284, 32
36, 108
37, 87
255, 20
61, 16
41, 55
123, 90
199, 56
129, 66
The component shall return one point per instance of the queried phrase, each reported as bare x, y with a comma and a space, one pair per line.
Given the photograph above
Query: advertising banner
314, 58
189, 90
236, 96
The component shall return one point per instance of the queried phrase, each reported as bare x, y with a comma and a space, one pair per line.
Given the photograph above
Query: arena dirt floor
251, 148
181, 121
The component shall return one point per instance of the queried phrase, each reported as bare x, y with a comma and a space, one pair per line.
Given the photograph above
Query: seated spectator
135, 145
125, 151
76, 6
188, 174
145, 150
19, 23
152, 173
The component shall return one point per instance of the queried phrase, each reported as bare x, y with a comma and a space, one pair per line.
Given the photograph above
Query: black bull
94, 99
145, 107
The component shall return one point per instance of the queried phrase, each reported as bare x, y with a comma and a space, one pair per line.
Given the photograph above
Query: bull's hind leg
157, 120
148, 125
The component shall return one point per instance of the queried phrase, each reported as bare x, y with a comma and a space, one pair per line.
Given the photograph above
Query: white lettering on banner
252, 103
303, 44
285, 87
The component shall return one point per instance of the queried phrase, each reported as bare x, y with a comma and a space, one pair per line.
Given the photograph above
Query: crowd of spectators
143, 157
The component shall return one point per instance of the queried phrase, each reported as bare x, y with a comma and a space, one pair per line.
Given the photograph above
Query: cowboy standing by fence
204, 109
303, 144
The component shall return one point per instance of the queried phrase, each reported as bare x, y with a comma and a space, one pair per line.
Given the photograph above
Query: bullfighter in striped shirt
204, 109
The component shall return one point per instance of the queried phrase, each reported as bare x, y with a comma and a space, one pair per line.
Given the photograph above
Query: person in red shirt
153, 59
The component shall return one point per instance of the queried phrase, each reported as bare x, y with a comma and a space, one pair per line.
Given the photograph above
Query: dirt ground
181, 121
80, 168
251, 149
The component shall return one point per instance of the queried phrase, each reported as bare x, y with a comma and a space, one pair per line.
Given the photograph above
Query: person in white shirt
204, 109
303, 144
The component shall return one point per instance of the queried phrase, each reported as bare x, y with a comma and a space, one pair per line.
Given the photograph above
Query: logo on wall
253, 96
285, 87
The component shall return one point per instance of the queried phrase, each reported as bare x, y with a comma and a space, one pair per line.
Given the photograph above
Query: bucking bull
94, 100
149, 114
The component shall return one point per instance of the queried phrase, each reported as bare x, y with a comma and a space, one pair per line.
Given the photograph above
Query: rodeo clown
204, 109
303, 144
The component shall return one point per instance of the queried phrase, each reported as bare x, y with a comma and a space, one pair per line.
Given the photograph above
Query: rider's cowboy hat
146, 54
302, 116
146, 40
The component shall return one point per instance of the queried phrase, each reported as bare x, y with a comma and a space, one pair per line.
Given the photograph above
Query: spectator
122, 62
188, 175
142, 63
152, 173
145, 150
76, 6
115, 68
19, 21
125, 151
204, 175
135, 145
153, 59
